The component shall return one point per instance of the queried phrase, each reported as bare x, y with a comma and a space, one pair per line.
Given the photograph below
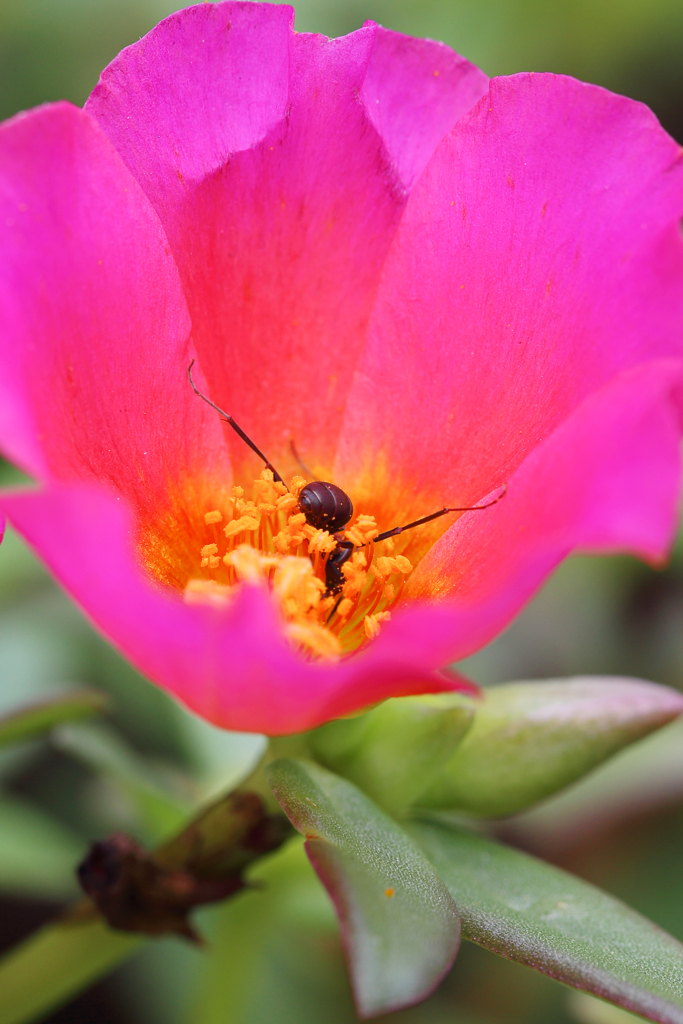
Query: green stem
66, 956
55, 964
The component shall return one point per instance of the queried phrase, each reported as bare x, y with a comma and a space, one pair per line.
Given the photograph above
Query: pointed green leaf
395, 751
530, 740
55, 964
41, 716
400, 927
38, 855
588, 1010
528, 911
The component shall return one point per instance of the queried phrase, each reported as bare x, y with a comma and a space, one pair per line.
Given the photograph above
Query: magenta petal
281, 217
607, 480
204, 84
232, 666
414, 92
538, 256
272, 241
93, 346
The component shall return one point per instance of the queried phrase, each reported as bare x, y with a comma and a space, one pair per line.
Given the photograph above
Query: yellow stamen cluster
265, 540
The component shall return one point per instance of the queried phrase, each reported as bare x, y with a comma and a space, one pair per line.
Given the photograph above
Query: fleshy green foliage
40, 717
515, 905
530, 740
55, 964
528, 911
161, 809
396, 750
399, 925
37, 852
273, 954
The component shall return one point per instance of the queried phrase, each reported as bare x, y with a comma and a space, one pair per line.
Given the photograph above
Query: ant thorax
265, 538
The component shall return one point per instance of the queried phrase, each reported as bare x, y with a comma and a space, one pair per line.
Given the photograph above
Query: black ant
328, 507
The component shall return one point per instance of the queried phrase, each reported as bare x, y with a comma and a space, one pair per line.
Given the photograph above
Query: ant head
325, 506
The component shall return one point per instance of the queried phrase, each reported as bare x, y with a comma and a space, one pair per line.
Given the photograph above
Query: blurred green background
273, 954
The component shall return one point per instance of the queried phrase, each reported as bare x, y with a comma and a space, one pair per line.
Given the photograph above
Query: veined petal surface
539, 255
95, 325
281, 199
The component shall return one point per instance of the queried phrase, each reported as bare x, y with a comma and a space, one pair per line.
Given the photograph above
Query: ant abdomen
325, 506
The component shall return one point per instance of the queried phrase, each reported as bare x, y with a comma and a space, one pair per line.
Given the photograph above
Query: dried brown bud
137, 890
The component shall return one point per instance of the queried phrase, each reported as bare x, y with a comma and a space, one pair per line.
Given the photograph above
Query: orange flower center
264, 539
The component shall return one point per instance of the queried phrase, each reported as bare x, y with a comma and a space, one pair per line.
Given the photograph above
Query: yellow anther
386, 565
362, 531
207, 592
345, 607
209, 549
247, 508
319, 540
388, 593
294, 529
249, 564
214, 561
295, 581
355, 536
204, 563
282, 542
264, 489
315, 639
355, 579
241, 525
285, 502
371, 623
238, 492
213, 517
297, 485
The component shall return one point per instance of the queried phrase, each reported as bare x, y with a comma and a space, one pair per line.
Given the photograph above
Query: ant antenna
435, 515
238, 430
298, 458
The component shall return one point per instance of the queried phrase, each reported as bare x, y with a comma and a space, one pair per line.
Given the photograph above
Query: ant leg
238, 430
435, 515
299, 459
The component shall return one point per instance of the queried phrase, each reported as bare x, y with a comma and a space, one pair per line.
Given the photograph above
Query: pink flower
432, 284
